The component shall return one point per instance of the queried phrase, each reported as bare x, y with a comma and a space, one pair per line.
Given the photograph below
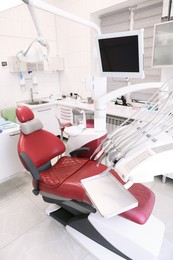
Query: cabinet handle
65, 109
14, 134
42, 110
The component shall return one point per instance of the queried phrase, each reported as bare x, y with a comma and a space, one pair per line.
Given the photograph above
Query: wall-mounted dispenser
15, 66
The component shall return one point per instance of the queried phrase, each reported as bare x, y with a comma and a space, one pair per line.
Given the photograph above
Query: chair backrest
40, 145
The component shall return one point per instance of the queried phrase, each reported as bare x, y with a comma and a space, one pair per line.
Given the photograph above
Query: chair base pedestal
113, 238
133, 240
63, 216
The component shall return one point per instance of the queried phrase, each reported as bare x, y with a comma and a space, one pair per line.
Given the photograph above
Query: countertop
112, 109
49, 103
9, 127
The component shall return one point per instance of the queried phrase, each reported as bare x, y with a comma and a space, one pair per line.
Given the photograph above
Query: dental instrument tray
108, 195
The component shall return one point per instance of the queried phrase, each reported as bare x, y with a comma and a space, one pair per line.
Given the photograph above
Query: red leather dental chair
61, 183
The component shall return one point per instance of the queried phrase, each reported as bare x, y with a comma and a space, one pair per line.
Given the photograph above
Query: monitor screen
121, 54
163, 45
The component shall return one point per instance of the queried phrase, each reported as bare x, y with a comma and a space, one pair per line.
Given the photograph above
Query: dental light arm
54, 10
36, 55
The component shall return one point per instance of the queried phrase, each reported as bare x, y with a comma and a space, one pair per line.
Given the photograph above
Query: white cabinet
9, 159
170, 175
47, 115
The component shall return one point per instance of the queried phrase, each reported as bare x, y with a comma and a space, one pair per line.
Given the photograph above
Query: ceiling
7, 4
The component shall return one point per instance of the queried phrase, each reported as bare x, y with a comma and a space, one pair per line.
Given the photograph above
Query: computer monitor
162, 55
121, 54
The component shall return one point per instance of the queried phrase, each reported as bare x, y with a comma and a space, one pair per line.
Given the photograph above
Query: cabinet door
10, 162
47, 116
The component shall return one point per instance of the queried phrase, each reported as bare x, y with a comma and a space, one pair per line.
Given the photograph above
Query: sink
38, 102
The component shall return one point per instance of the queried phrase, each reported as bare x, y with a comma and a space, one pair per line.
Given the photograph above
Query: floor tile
43, 242
37, 200
7, 191
164, 212
166, 251
27, 233
23, 181
17, 216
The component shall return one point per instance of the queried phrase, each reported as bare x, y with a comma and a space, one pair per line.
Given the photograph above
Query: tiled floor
27, 233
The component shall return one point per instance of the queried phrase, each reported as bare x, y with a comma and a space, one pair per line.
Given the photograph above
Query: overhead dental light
35, 54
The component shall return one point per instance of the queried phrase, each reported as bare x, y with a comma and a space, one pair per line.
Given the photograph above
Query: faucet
32, 94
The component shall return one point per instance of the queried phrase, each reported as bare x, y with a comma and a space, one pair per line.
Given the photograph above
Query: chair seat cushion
63, 169
64, 180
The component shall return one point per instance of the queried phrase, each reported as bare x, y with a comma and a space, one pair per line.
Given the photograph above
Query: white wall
74, 43
16, 32
66, 38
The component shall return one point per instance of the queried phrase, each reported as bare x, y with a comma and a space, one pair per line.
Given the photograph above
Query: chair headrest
24, 114
31, 126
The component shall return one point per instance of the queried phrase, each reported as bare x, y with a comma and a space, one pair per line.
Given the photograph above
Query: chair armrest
32, 169
75, 152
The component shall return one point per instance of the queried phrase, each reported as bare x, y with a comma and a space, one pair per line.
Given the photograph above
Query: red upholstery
24, 114
90, 123
63, 125
38, 150
64, 178
65, 181
145, 198
69, 175
92, 146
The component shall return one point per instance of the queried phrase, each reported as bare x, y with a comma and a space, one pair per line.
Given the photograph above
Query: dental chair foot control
51, 208
61, 215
